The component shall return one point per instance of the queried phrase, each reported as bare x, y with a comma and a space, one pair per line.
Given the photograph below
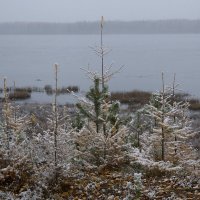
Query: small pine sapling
159, 109
138, 125
58, 132
101, 133
6, 115
170, 122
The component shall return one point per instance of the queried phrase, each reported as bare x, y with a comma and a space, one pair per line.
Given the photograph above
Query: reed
19, 95
64, 90
194, 104
135, 96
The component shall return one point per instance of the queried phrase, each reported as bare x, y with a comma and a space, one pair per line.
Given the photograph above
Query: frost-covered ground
129, 172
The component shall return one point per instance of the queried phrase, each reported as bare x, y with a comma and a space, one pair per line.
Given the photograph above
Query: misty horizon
111, 27
98, 21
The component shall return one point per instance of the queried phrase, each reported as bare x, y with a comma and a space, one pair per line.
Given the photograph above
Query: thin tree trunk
102, 55
6, 110
162, 118
102, 68
174, 117
55, 115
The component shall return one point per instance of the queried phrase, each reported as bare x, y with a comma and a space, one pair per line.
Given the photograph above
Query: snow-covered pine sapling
138, 186
6, 114
181, 125
100, 96
56, 137
12, 126
159, 110
113, 116
102, 52
100, 110
15, 114
78, 121
178, 123
170, 122
163, 111
138, 126
139, 129
101, 116
96, 97
173, 102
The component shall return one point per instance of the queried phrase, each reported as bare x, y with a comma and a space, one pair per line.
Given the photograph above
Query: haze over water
28, 58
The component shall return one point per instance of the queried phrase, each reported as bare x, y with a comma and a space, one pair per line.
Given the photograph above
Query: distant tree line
112, 27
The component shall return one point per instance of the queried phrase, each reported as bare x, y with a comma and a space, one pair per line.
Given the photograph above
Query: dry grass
194, 104
142, 97
135, 96
64, 90
20, 95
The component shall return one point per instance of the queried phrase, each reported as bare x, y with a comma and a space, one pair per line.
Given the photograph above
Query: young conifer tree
138, 125
6, 114
158, 109
102, 120
12, 129
13, 124
103, 110
180, 123
169, 121
58, 130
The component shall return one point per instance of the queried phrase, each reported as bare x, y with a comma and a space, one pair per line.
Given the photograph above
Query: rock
111, 197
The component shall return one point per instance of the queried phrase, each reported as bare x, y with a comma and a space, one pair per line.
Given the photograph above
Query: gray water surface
27, 58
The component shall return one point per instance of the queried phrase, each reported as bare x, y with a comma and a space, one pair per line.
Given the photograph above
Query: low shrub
20, 95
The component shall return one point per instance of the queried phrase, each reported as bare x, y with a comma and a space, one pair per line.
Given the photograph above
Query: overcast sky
92, 10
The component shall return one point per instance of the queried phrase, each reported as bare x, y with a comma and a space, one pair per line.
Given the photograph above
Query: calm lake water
27, 58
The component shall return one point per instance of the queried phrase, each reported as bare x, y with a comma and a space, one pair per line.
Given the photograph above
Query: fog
91, 10
111, 27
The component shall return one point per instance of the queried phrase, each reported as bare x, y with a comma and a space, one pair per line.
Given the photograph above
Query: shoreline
133, 98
